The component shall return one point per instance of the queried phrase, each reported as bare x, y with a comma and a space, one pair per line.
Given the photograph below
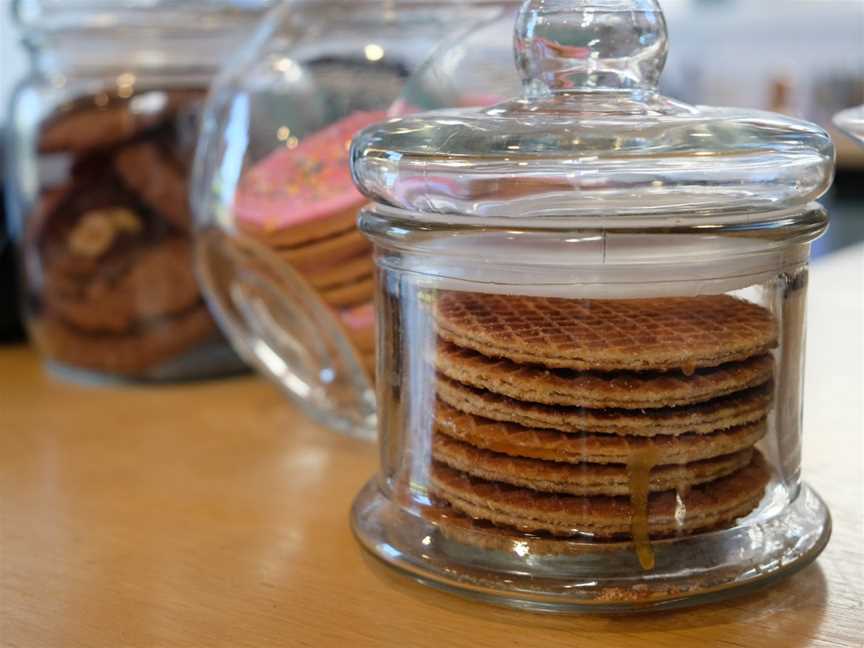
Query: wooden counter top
214, 515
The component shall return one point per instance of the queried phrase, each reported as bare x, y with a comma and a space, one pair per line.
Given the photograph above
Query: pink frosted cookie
305, 193
360, 323
358, 318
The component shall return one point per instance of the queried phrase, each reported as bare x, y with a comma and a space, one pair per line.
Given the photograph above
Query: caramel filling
642, 461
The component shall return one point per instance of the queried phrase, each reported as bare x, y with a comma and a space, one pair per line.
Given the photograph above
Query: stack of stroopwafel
615, 418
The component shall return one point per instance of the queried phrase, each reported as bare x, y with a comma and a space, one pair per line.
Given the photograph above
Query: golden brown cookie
607, 335
327, 251
305, 232
82, 129
340, 274
706, 506
622, 389
152, 175
131, 354
102, 121
351, 294
578, 479
719, 414
518, 441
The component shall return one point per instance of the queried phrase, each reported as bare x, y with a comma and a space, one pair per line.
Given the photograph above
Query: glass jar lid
852, 122
592, 136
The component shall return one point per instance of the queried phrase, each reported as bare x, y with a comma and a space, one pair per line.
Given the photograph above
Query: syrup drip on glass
642, 461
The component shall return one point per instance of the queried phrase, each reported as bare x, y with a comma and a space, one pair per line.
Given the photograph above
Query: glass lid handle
566, 46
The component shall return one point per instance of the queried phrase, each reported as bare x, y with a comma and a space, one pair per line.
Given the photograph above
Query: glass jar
280, 257
591, 306
103, 134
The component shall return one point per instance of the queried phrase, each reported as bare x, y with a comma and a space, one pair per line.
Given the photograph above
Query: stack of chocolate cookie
108, 249
611, 418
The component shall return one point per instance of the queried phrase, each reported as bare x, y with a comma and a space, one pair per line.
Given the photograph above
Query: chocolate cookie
153, 175
102, 121
133, 353
158, 281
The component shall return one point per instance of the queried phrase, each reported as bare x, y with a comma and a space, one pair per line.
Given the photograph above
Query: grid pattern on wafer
722, 413
519, 441
622, 389
608, 335
721, 501
546, 407
580, 478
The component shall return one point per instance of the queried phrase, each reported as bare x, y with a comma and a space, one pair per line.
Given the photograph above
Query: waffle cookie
550, 445
703, 418
583, 478
608, 335
622, 389
707, 506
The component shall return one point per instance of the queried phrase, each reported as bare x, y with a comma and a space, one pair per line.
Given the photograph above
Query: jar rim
787, 226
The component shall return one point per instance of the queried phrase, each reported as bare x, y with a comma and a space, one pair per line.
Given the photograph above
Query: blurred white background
12, 62
802, 56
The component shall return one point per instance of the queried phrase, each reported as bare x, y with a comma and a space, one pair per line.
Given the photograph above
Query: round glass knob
585, 45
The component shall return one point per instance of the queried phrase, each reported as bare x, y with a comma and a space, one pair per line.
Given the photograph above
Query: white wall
12, 62
731, 47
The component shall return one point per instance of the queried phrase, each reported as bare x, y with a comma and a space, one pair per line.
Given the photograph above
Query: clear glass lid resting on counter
851, 121
282, 261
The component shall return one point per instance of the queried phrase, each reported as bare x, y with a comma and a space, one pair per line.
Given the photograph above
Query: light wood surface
214, 515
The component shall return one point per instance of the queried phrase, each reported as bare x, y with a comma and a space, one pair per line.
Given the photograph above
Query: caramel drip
642, 461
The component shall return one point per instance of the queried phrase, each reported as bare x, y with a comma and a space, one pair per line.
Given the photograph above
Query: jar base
211, 361
490, 565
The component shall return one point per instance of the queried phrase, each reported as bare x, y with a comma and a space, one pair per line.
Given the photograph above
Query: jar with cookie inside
103, 134
591, 305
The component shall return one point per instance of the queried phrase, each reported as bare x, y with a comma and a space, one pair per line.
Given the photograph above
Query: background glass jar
591, 332
103, 134
282, 263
